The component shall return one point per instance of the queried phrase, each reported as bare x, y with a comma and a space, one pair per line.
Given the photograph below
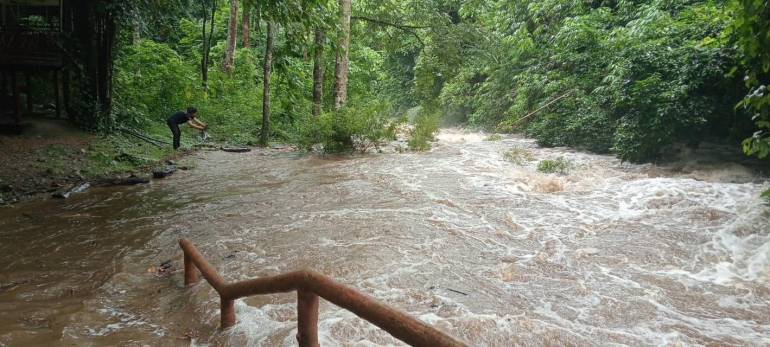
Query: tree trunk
245, 31
318, 73
204, 56
137, 32
207, 44
232, 35
265, 136
342, 61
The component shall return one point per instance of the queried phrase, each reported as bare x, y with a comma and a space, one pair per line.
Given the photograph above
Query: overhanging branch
407, 28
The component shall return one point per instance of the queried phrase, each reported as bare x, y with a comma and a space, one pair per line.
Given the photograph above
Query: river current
491, 251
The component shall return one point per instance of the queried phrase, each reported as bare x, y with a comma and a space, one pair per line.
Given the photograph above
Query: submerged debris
78, 188
164, 172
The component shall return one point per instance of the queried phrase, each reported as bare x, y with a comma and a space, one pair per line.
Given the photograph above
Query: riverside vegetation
631, 78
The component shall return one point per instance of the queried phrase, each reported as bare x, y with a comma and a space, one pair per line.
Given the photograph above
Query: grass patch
559, 165
117, 154
518, 155
494, 137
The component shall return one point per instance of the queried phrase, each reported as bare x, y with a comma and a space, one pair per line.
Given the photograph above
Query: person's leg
177, 134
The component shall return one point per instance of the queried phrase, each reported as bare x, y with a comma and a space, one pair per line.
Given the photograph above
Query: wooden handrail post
310, 286
307, 318
227, 313
190, 271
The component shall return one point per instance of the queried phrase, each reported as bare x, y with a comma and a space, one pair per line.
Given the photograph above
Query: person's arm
196, 126
199, 123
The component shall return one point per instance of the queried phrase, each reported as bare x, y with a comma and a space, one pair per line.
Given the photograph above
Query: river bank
52, 156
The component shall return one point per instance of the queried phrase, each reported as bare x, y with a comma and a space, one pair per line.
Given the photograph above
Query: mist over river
490, 251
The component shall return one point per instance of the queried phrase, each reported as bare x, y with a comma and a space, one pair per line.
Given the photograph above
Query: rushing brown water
493, 252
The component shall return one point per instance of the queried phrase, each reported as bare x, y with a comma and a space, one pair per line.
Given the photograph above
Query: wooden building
31, 46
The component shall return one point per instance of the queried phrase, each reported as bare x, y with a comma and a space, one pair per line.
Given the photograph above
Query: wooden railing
310, 286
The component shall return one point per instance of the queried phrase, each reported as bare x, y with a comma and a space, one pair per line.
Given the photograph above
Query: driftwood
456, 291
542, 107
151, 140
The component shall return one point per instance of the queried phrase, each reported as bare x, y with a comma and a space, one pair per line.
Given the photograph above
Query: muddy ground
50, 155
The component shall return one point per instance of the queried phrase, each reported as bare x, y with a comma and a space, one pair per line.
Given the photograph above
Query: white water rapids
492, 252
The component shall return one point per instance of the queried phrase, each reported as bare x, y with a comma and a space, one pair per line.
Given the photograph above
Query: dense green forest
624, 77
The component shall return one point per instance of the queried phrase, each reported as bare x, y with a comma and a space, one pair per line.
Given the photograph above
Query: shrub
425, 128
354, 128
559, 165
494, 137
518, 155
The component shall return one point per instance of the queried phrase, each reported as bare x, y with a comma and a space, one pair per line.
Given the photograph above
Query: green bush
559, 165
426, 125
357, 127
518, 155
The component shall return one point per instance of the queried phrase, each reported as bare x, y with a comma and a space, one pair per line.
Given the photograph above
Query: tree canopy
623, 77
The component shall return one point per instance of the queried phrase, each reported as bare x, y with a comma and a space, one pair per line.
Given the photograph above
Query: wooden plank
51, 3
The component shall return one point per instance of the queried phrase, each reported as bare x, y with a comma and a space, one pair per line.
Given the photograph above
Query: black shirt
179, 118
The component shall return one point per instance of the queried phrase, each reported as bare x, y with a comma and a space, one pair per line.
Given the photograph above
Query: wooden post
3, 94
28, 91
66, 94
227, 313
16, 99
307, 318
59, 93
190, 272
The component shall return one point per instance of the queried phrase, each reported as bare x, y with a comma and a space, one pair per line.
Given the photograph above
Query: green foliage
518, 155
558, 165
751, 31
426, 126
357, 127
628, 77
151, 82
494, 137
637, 76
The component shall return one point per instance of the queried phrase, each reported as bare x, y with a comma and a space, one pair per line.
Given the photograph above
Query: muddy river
491, 251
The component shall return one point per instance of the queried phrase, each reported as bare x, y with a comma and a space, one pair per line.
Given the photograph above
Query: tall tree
343, 51
246, 23
318, 72
207, 42
268, 70
232, 34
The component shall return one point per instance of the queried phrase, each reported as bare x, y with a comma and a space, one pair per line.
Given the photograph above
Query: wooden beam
16, 98
59, 85
28, 91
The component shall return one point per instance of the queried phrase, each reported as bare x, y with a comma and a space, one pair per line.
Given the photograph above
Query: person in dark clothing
182, 117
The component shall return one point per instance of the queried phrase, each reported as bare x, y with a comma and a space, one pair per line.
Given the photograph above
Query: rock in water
78, 188
586, 252
168, 170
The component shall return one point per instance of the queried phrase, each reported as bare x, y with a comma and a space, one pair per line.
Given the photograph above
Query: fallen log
235, 149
